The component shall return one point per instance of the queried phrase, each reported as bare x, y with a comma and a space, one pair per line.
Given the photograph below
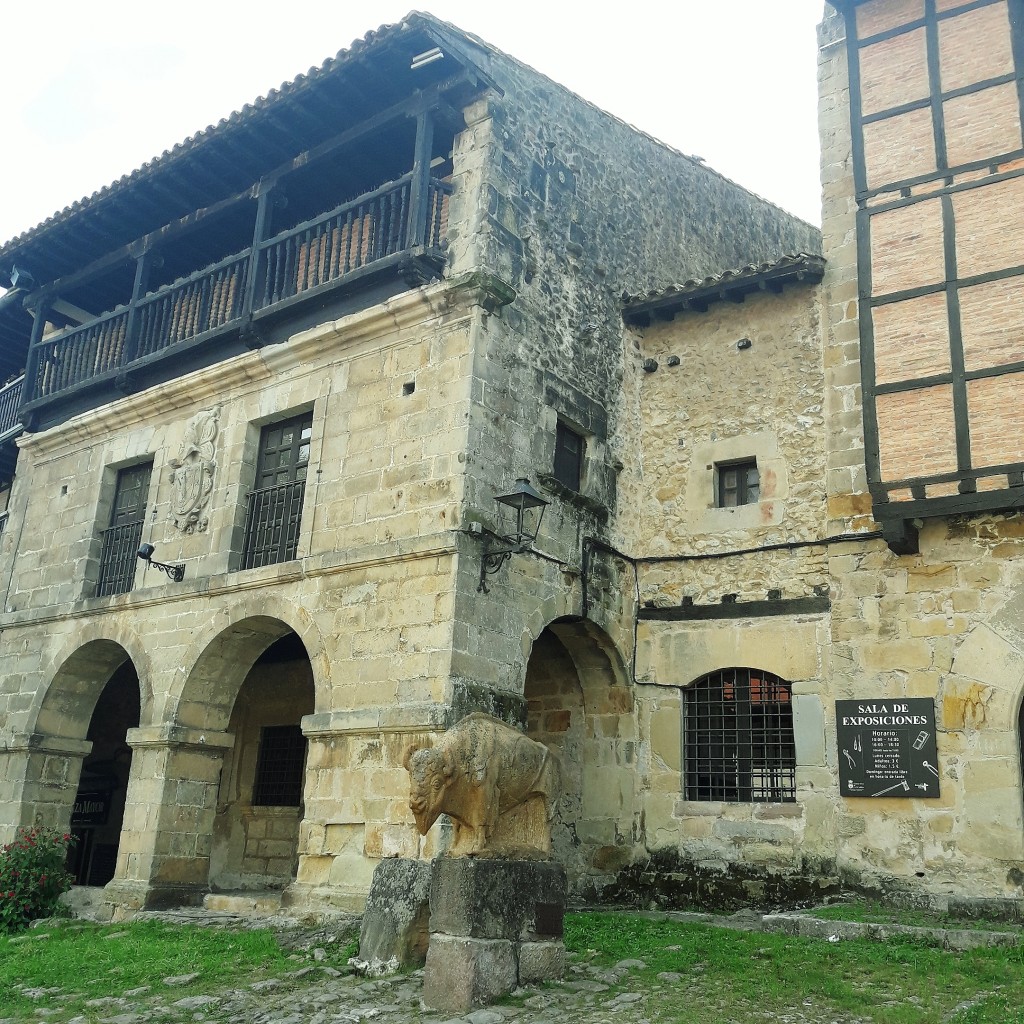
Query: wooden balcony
359, 239
10, 407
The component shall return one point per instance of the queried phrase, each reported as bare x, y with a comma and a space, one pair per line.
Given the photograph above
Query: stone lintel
179, 736
406, 718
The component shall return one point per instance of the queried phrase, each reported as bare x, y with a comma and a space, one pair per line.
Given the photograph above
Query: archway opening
98, 813
556, 716
1020, 740
580, 705
260, 798
86, 712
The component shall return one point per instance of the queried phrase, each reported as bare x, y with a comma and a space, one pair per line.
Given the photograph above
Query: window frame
747, 493
273, 515
567, 465
739, 744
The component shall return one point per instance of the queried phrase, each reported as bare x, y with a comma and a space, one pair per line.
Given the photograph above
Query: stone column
38, 781
164, 856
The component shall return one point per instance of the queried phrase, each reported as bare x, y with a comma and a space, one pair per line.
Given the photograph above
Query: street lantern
529, 505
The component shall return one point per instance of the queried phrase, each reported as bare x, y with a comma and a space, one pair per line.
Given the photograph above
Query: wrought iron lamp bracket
175, 573
522, 498
492, 561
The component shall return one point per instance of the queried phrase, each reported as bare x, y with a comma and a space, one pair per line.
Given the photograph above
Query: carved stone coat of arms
192, 473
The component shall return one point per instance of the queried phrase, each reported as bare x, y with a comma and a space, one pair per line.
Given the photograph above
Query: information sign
887, 747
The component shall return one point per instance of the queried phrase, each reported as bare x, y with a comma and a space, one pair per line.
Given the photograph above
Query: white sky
90, 89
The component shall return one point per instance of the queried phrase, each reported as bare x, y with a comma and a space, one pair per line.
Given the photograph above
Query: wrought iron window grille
739, 745
280, 766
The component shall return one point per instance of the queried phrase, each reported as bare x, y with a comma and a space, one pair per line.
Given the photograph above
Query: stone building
300, 354
873, 551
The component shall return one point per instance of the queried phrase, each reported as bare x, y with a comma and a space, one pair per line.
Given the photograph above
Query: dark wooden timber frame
415, 263
896, 516
737, 610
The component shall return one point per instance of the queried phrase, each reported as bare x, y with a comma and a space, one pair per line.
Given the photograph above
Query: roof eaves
639, 310
226, 126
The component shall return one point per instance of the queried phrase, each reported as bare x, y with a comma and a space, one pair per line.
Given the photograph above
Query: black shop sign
92, 807
887, 747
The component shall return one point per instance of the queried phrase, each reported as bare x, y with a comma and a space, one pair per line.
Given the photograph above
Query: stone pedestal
494, 924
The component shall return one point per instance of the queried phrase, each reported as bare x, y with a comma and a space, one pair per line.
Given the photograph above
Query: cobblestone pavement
324, 995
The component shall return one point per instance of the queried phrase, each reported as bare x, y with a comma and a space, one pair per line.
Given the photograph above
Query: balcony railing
219, 298
10, 403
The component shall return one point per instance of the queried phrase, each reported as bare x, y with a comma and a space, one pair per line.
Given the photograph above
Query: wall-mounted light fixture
174, 572
523, 499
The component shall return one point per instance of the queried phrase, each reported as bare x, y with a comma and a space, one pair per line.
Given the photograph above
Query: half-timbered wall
936, 88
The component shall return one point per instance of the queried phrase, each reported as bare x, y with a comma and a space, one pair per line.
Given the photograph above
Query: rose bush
33, 874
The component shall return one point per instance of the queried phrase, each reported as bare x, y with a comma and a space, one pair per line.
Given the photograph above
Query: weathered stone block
497, 899
395, 923
541, 961
462, 972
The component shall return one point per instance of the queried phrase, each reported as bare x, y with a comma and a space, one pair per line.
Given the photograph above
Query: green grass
729, 975
91, 961
873, 911
724, 975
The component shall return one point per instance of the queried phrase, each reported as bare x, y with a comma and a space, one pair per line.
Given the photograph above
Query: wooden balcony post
32, 365
265, 197
143, 267
419, 189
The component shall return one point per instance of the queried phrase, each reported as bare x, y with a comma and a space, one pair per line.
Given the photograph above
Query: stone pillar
38, 781
164, 856
356, 800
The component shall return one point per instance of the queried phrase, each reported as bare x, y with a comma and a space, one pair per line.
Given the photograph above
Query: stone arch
981, 701
84, 664
260, 796
233, 707
82, 726
227, 653
580, 703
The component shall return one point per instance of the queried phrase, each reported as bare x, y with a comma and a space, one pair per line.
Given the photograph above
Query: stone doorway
260, 798
579, 704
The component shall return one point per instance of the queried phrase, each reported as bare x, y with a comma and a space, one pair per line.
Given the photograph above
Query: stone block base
462, 973
497, 899
494, 924
541, 961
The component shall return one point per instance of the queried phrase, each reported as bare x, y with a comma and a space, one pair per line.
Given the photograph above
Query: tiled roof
730, 285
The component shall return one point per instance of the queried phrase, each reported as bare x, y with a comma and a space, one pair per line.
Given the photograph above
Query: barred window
121, 540
279, 767
738, 738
